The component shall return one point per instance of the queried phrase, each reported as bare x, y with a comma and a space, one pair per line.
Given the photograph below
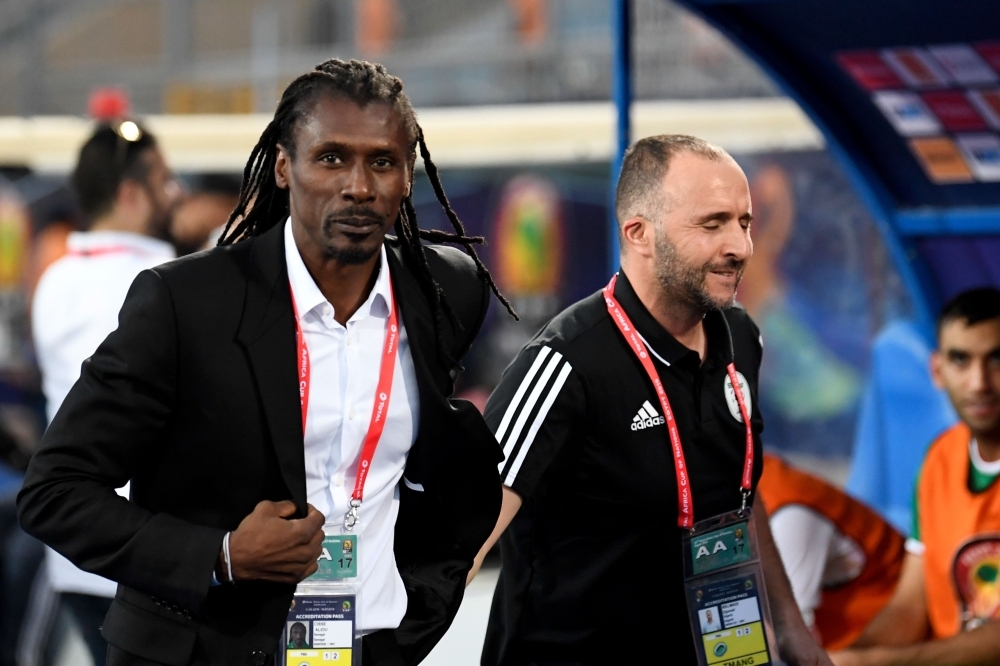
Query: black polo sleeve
534, 412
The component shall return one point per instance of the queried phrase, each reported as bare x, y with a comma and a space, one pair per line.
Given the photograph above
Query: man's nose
981, 378
737, 242
358, 188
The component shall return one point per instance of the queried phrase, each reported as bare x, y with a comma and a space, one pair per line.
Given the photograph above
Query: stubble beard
687, 283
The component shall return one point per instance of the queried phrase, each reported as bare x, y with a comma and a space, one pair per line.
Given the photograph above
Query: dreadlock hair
262, 204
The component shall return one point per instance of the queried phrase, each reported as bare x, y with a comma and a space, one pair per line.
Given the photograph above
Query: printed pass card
319, 631
730, 620
338, 559
719, 548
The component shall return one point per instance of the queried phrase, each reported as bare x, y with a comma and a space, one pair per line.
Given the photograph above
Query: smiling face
346, 174
702, 237
967, 366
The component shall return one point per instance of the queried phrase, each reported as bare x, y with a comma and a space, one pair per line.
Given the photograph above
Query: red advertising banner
869, 70
954, 110
990, 52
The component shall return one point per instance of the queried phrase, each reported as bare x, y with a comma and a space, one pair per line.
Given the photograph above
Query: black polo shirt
592, 568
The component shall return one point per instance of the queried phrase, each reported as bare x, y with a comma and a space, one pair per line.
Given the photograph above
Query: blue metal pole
621, 94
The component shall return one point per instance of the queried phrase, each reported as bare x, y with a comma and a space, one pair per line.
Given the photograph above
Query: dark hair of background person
644, 166
217, 183
107, 159
972, 306
263, 204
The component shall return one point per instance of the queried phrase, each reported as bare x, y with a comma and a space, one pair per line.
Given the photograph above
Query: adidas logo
646, 418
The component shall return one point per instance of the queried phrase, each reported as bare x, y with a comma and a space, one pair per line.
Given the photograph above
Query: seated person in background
947, 605
842, 558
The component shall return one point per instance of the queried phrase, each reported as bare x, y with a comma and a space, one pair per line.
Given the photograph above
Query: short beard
351, 255
686, 282
355, 253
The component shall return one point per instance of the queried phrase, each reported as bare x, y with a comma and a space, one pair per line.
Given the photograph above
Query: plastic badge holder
321, 628
726, 597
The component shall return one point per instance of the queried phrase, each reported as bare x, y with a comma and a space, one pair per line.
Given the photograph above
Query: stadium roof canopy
907, 96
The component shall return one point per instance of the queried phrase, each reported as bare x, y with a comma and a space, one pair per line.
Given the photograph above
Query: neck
113, 222
345, 286
989, 446
679, 318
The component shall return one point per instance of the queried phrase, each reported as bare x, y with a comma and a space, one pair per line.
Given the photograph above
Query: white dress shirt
344, 374
75, 307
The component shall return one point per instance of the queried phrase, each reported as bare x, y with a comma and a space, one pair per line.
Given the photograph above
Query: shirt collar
308, 296
666, 346
89, 241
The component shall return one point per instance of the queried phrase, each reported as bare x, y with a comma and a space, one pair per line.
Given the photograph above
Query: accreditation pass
726, 599
320, 629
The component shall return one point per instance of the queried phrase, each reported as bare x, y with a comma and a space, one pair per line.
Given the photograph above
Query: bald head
640, 190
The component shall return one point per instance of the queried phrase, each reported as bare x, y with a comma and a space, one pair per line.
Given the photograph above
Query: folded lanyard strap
383, 391
685, 500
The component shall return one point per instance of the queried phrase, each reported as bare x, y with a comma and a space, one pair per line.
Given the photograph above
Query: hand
270, 545
800, 649
846, 658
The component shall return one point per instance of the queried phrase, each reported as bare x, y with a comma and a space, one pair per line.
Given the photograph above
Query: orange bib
961, 532
844, 611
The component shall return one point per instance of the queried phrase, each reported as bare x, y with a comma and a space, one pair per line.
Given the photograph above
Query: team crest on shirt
734, 406
975, 569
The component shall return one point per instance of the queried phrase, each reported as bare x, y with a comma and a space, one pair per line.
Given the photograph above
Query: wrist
224, 564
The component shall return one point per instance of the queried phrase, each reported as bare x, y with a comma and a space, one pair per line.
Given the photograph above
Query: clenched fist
270, 545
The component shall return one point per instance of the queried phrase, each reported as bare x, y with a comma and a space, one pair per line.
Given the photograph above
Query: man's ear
638, 235
936, 363
282, 165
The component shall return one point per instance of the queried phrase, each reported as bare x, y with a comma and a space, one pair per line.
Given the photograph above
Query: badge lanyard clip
351, 518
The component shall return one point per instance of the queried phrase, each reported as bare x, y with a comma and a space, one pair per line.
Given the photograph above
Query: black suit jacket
194, 398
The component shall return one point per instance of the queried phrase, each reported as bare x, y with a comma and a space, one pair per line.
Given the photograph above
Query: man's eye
382, 163
330, 158
958, 359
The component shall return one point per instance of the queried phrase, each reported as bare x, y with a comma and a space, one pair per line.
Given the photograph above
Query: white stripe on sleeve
516, 400
529, 404
542, 412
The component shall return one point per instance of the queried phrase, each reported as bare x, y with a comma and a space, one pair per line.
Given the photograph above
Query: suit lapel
267, 332
417, 319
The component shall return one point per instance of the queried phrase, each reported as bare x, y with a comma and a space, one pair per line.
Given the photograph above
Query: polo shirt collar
665, 346
307, 295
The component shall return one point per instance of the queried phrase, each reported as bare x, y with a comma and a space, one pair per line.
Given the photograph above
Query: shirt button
339, 480
349, 342
350, 414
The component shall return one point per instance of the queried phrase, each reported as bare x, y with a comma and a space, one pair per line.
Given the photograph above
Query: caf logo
975, 570
348, 546
731, 402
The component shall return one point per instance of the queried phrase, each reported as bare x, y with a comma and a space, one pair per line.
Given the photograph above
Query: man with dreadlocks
236, 395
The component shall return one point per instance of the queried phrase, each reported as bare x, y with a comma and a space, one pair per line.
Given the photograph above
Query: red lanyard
685, 502
100, 251
383, 392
